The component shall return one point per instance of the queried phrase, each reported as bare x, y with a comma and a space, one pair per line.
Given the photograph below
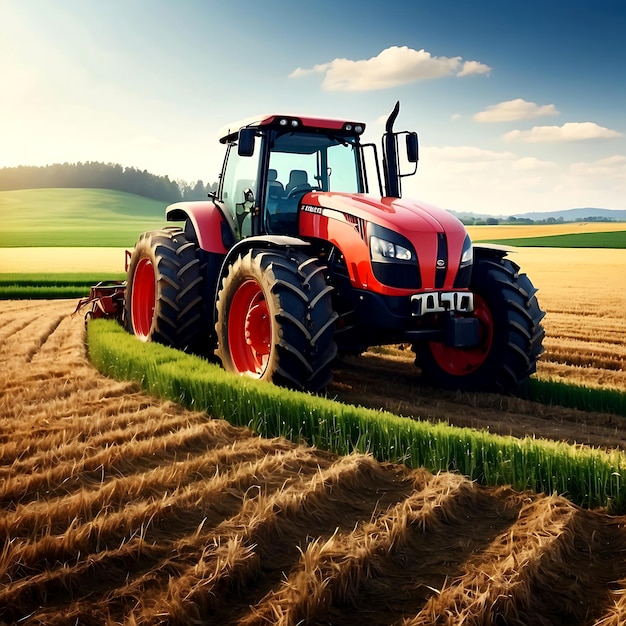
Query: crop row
588, 477
28, 286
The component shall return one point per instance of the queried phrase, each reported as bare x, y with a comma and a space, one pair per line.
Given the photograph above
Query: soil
119, 508
393, 383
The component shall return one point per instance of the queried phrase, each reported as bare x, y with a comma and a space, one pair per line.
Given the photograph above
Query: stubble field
119, 508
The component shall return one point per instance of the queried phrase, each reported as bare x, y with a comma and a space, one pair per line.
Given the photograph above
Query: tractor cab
272, 163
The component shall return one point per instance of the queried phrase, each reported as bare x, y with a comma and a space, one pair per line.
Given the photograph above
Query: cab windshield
313, 161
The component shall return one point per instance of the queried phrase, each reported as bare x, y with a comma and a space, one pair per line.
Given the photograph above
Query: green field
76, 217
612, 239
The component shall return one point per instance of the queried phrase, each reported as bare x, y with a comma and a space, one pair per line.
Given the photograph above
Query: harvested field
118, 508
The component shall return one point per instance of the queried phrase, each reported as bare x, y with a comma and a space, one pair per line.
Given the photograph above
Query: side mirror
412, 149
245, 144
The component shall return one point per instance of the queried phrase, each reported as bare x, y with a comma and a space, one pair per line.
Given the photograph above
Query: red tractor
302, 254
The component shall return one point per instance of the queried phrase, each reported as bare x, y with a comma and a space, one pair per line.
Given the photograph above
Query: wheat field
118, 508
583, 292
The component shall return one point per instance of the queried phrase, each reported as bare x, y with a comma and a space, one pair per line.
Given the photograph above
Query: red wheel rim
143, 298
249, 329
464, 361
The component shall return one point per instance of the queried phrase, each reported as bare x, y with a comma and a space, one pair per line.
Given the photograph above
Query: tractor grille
400, 275
442, 261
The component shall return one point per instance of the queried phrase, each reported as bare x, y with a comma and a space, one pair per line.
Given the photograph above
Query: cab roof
293, 122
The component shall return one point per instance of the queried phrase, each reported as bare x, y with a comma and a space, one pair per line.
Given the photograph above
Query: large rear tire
511, 334
275, 320
163, 292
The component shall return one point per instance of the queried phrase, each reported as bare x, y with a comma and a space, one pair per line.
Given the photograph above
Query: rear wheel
275, 319
510, 340
163, 293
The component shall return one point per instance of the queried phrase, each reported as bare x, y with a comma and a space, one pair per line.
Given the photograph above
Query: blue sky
520, 106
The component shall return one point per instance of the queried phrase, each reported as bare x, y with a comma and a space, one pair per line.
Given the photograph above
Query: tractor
306, 252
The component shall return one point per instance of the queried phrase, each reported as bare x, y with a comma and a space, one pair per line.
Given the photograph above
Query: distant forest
102, 176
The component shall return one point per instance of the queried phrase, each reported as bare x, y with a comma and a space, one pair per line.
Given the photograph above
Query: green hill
76, 217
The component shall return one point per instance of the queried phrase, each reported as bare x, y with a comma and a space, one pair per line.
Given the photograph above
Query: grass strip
582, 397
42, 292
587, 476
15, 286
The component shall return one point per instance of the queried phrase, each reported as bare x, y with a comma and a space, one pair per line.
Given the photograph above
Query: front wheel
275, 320
510, 337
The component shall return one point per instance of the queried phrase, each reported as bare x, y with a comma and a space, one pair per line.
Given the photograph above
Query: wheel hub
257, 329
463, 361
249, 329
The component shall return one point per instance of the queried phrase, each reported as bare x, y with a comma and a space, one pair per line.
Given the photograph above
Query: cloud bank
392, 67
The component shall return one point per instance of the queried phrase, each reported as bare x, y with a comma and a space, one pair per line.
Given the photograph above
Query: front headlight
467, 255
381, 249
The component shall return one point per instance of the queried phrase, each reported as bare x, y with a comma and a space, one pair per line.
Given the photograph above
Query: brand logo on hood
307, 208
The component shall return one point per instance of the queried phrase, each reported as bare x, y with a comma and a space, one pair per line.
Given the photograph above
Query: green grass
612, 239
16, 286
553, 392
76, 218
587, 476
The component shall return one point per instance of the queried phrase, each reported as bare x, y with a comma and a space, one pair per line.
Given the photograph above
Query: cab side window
240, 174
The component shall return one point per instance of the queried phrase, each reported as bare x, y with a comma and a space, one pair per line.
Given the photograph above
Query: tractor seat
298, 178
275, 188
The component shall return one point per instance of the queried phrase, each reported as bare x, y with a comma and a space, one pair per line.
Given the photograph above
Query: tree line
102, 176
471, 220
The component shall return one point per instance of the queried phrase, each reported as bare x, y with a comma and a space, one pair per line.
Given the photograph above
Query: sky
519, 106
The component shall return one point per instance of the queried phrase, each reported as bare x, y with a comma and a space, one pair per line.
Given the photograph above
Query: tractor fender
261, 241
212, 230
492, 250
258, 241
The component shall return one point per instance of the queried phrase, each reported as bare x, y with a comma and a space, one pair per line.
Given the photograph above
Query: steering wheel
294, 191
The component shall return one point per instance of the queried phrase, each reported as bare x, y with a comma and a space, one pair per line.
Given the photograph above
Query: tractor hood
401, 215
347, 220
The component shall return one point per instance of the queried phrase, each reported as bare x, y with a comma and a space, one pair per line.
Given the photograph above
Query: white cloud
512, 110
571, 131
393, 66
473, 67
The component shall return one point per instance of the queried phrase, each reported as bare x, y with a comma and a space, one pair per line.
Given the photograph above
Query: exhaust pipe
390, 156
